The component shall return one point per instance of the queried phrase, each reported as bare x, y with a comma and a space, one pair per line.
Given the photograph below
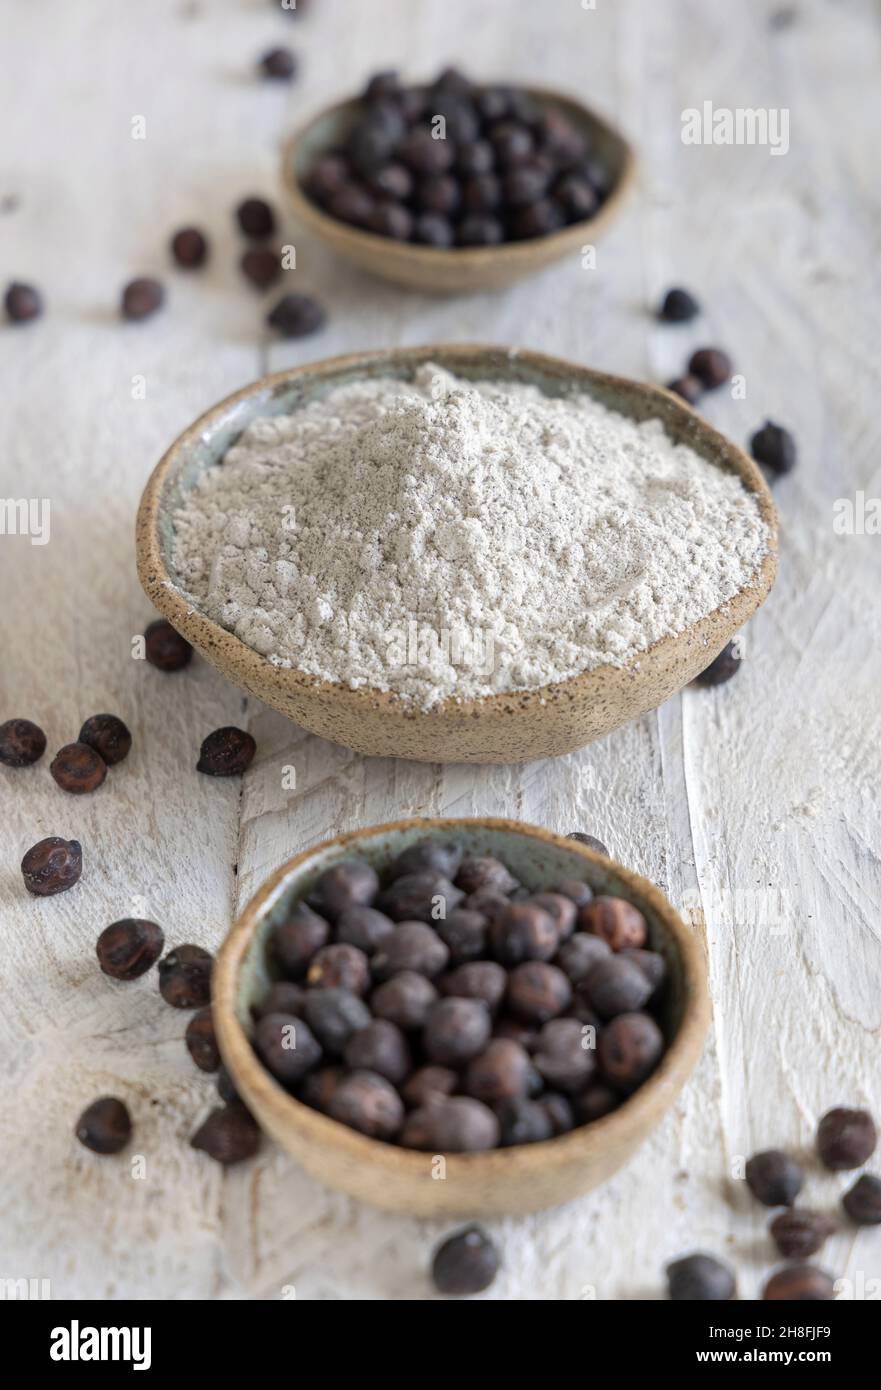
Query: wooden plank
95, 208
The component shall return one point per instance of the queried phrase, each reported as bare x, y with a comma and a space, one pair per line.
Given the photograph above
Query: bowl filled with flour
456, 554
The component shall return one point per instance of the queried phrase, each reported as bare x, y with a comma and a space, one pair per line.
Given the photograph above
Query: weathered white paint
756, 806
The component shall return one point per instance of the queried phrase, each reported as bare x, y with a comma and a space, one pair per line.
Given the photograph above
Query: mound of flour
442, 538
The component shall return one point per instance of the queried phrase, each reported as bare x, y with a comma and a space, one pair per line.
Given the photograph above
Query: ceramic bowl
506, 728
463, 269
513, 1180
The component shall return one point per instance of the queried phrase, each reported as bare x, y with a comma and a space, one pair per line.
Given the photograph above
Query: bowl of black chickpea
452, 186
459, 1017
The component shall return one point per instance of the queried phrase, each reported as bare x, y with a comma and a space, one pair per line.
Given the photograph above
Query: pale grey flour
441, 538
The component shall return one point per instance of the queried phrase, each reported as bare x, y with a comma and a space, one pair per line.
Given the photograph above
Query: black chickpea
439, 1003
507, 168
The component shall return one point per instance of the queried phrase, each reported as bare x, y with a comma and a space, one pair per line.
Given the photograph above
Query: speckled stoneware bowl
461, 269
507, 728
521, 1179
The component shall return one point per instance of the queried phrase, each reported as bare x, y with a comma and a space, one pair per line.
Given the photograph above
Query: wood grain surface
755, 806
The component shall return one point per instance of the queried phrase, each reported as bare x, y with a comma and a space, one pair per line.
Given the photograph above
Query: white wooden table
754, 806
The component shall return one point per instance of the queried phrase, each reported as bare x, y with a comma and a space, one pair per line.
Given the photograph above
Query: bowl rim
171, 599
633, 1118
473, 257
